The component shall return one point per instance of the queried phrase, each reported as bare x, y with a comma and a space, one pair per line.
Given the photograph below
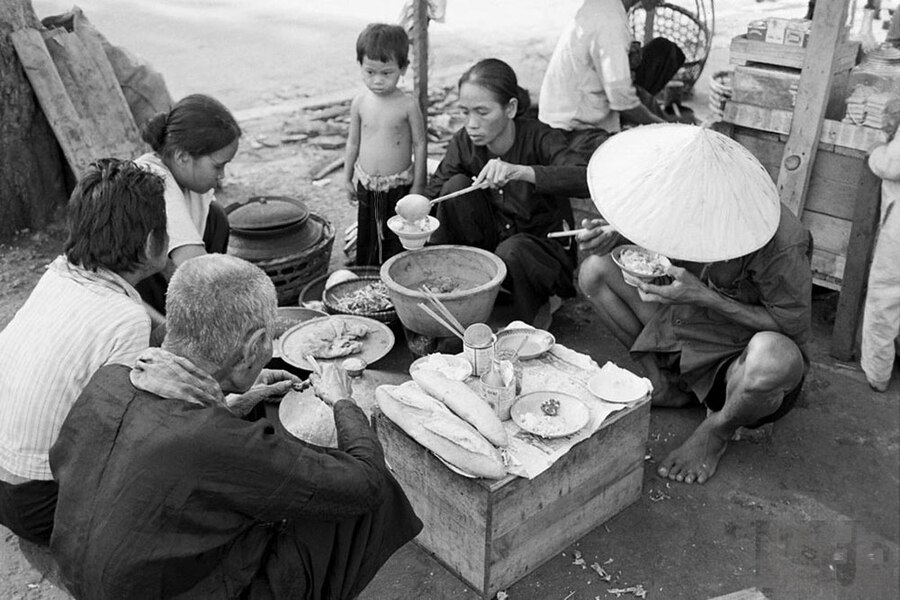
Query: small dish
413, 235
453, 366
617, 385
528, 343
571, 414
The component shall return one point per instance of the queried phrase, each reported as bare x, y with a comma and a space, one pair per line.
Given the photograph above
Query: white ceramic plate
453, 366
618, 386
530, 343
573, 414
375, 345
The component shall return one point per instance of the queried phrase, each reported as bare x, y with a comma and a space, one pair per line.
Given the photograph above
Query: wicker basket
683, 27
335, 292
290, 273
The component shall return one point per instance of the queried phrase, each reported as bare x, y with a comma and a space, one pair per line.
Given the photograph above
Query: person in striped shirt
83, 314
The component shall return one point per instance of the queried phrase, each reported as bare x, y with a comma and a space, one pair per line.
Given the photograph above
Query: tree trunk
32, 170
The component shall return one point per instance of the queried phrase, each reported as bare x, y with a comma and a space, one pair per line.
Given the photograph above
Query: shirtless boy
386, 131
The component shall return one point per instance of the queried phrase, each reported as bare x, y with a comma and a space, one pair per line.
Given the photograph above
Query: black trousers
375, 243
215, 241
537, 267
27, 509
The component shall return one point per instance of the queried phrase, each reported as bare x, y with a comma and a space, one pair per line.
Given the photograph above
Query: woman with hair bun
191, 145
530, 175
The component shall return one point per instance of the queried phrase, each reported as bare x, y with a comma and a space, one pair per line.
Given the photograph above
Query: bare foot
695, 461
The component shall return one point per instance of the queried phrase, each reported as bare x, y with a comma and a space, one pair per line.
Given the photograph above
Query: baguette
464, 402
439, 430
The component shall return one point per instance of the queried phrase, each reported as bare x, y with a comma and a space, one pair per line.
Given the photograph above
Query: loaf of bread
464, 402
431, 424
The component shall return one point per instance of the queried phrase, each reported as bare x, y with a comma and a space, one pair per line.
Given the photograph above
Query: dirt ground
813, 480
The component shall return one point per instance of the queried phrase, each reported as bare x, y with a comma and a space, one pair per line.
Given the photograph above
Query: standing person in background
385, 151
83, 314
597, 75
881, 317
191, 145
530, 175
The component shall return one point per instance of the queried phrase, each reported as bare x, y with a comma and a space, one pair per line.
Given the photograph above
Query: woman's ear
512, 107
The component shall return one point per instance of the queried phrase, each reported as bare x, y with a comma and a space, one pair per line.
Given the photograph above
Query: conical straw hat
684, 191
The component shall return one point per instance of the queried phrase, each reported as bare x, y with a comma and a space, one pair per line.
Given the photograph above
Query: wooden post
32, 176
812, 98
420, 48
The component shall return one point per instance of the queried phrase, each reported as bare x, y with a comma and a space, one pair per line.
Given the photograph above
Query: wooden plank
420, 42
747, 594
744, 51
812, 97
95, 94
76, 142
829, 233
856, 273
827, 268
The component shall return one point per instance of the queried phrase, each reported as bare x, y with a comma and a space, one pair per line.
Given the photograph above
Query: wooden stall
786, 108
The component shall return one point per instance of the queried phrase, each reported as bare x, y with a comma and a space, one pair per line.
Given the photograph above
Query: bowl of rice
363, 296
639, 264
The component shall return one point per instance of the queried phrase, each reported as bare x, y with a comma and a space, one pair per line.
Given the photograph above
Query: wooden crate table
491, 533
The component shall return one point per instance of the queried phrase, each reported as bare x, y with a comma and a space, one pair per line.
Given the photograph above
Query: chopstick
566, 233
440, 320
571, 232
471, 188
316, 367
441, 308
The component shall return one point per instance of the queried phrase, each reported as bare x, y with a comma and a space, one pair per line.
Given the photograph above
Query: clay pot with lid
270, 227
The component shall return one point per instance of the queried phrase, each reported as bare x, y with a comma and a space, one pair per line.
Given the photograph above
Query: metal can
478, 347
512, 357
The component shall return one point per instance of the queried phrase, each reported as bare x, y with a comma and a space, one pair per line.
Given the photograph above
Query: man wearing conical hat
729, 324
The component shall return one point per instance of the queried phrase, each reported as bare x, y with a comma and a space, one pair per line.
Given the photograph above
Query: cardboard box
492, 533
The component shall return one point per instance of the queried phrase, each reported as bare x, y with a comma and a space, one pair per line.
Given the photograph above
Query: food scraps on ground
637, 590
372, 297
604, 576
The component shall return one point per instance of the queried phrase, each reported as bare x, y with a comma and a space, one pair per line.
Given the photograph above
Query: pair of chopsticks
572, 232
471, 188
442, 314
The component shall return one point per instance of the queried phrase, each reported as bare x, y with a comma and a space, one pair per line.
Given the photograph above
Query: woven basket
290, 273
335, 292
680, 26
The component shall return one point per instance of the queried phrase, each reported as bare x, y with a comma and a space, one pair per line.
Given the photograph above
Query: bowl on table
639, 264
466, 280
365, 296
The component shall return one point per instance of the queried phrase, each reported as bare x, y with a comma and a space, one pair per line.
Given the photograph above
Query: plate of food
639, 263
452, 366
288, 316
336, 337
527, 342
550, 414
617, 385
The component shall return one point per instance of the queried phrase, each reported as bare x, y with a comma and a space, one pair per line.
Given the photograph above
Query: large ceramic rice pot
465, 279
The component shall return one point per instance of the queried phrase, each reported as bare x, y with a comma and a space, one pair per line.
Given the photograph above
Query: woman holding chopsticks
527, 174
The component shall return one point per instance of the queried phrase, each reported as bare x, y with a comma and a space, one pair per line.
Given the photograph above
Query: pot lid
267, 212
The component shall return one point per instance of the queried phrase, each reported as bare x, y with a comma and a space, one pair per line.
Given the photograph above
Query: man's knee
772, 362
595, 271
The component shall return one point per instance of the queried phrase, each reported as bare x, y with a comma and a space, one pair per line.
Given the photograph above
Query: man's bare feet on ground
695, 461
